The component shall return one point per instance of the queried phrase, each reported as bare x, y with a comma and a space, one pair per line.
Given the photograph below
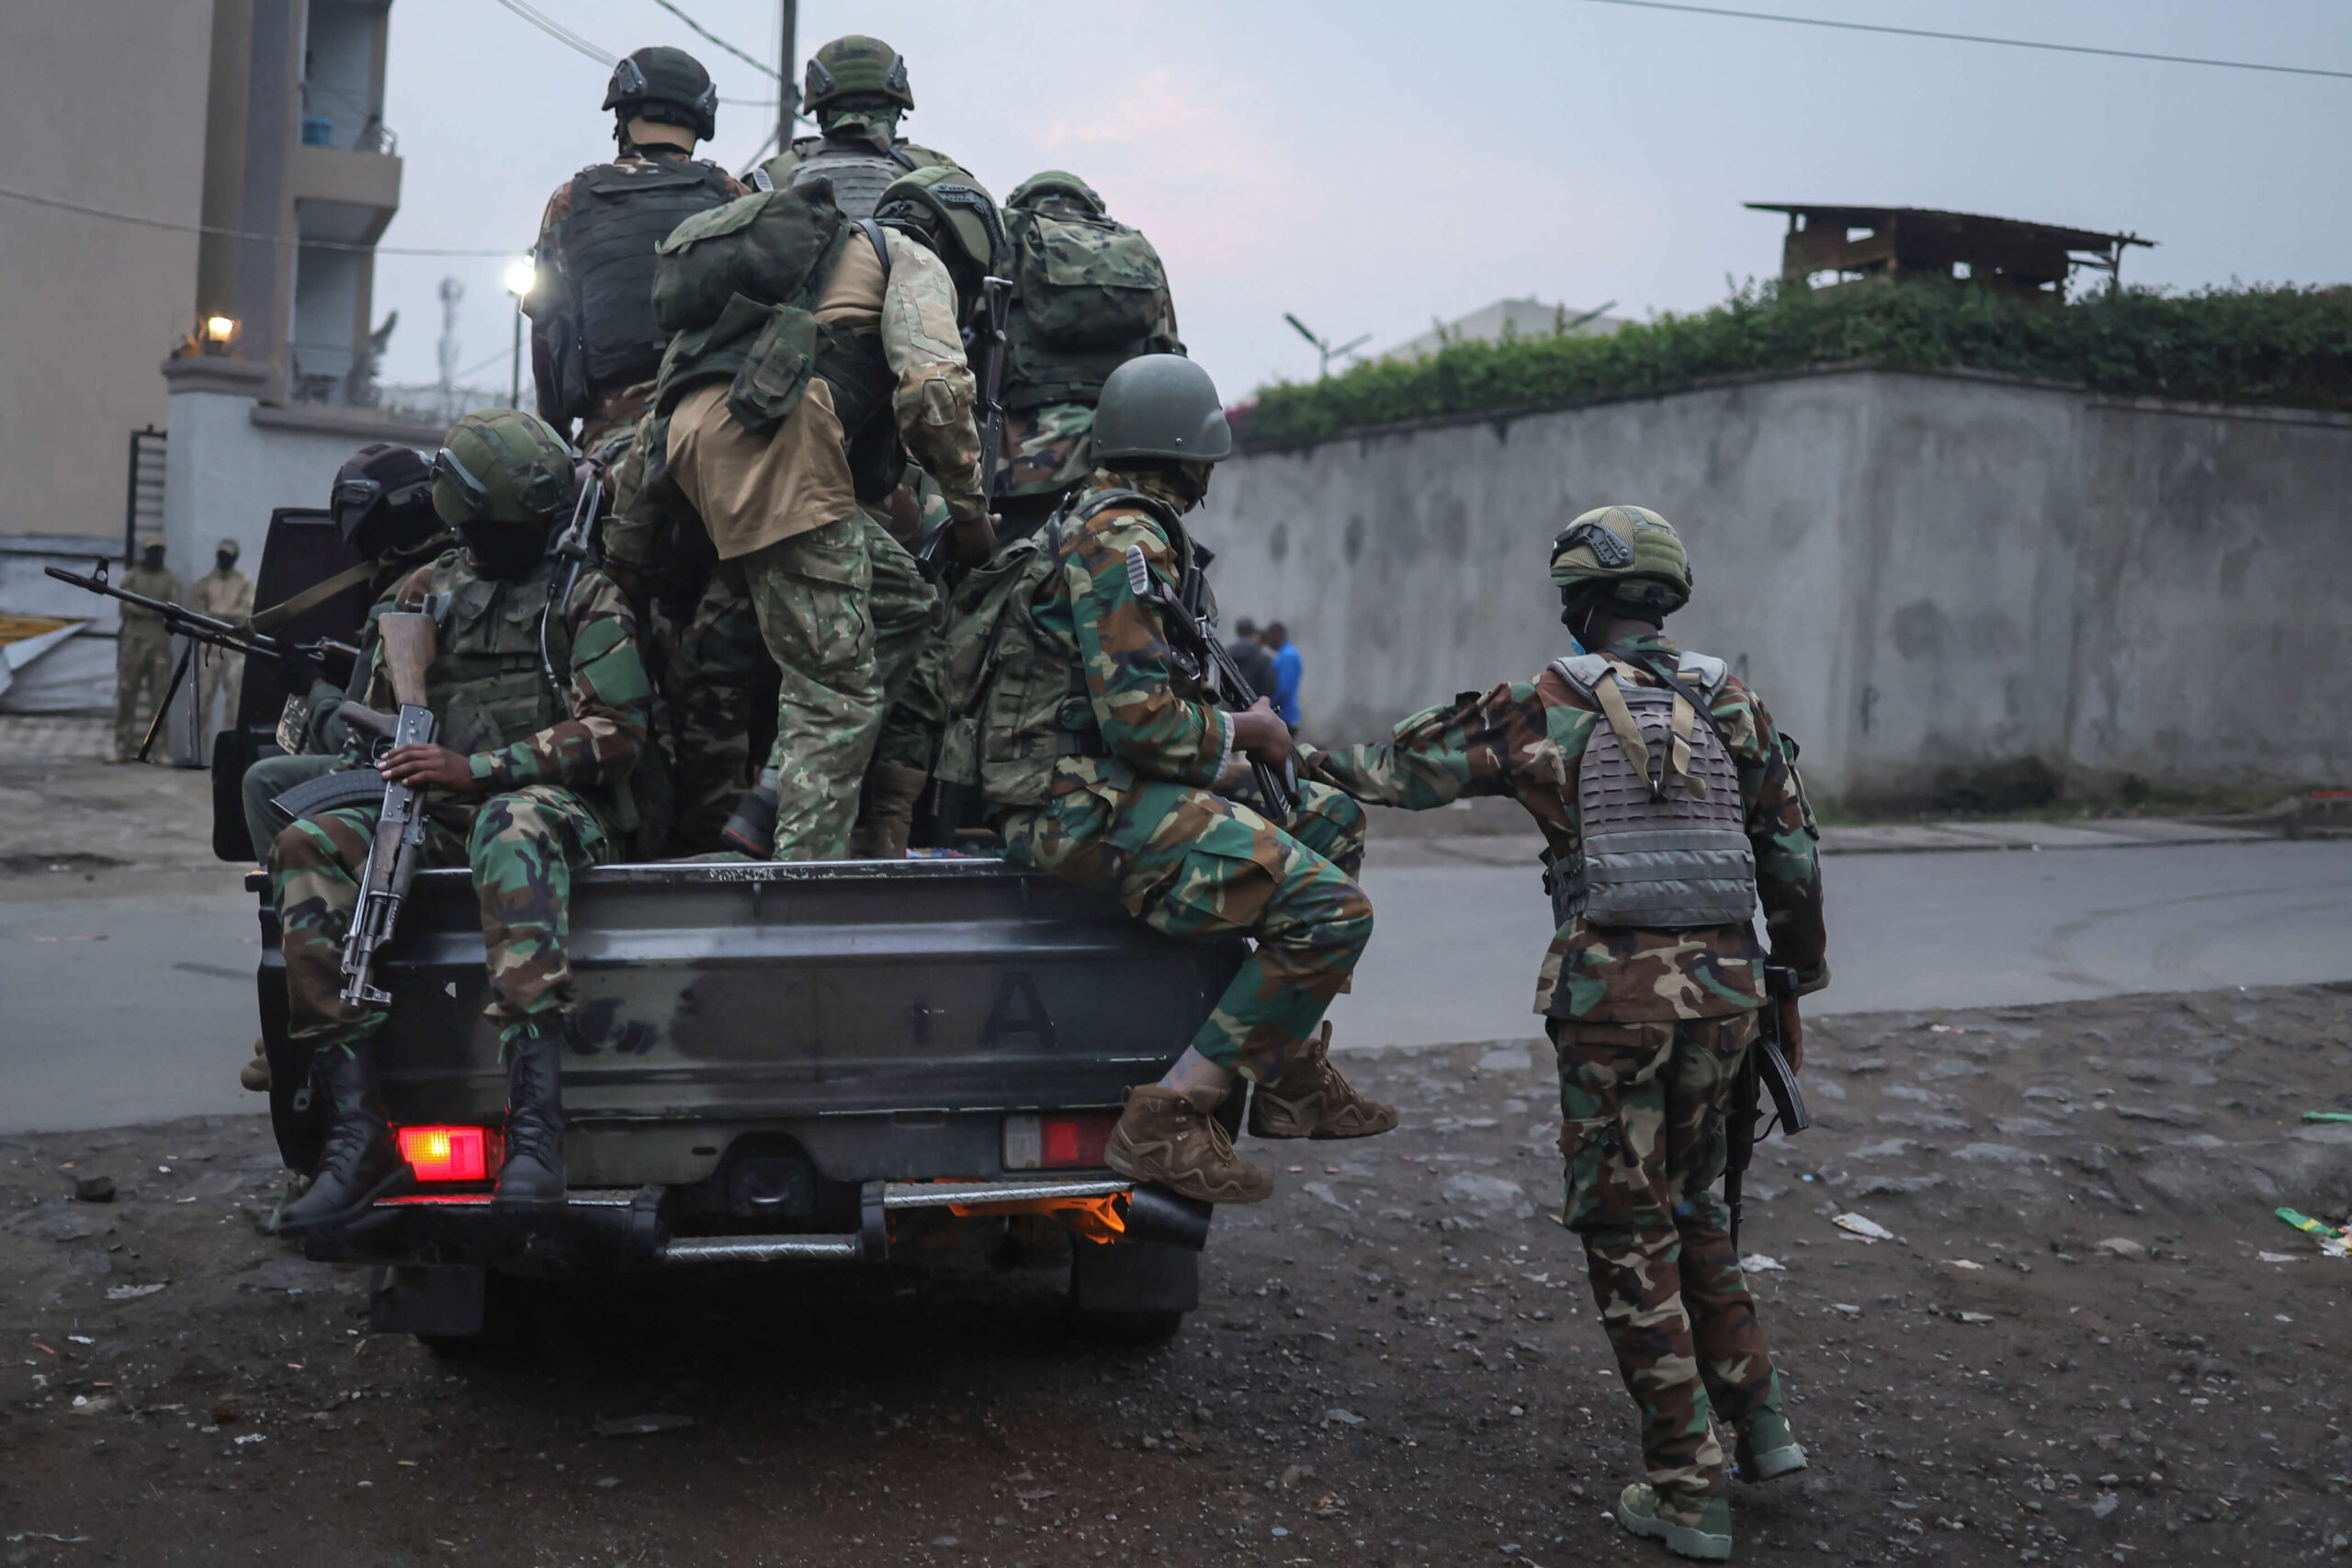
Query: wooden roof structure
1910, 244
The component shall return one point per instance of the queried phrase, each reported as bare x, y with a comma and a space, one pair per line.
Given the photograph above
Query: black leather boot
532, 1175
362, 1160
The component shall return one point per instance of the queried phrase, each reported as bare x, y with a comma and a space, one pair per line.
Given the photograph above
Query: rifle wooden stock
408, 652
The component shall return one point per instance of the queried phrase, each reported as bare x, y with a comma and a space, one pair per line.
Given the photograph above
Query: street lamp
520, 275
1323, 344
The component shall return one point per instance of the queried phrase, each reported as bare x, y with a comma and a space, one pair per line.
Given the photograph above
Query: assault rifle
937, 552
302, 659
399, 847
1199, 655
1764, 1070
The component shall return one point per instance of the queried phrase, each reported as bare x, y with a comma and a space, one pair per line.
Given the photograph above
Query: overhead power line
178, 228
761, 66
607, 59
1978, 38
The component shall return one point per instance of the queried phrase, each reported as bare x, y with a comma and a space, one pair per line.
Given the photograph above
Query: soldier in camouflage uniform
1670, 804
533, 786
1106, 769
142, 652
858, 89
1054, 368
814, 357
594, 344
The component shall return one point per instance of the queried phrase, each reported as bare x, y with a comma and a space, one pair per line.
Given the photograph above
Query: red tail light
452, 1154
1074, 1140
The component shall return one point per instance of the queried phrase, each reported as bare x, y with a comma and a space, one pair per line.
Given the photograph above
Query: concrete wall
1916, 571
106, 106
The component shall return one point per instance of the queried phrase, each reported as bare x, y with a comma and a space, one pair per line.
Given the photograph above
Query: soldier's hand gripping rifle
1764, 1070
394, 857
938, 551
301, 660
1195, 650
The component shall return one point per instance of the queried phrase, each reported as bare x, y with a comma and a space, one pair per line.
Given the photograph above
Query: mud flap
1134, 1277
442, 1301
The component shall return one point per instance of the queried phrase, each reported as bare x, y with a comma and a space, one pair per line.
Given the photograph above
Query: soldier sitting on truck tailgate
1670, 803
1104, 767
533, 785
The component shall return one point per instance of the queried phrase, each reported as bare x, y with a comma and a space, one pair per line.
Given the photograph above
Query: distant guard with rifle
1105, 730
512, 734
228, 594
1671, 805
857, 89
142, 654
594, 344
815, 357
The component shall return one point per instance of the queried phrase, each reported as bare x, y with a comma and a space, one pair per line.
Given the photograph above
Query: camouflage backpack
1090, 294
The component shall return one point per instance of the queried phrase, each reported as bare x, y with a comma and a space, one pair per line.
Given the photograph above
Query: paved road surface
152, 1021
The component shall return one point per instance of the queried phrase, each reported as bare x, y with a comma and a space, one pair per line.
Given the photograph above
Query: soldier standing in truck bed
857, 89
1670, 803
594, 345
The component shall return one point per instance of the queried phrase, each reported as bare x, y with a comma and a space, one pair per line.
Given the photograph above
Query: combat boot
362, 1160
532, 1174
1312, 1100
1171, 1139
1704, 1533
1764, 1447
886, 815
752, 829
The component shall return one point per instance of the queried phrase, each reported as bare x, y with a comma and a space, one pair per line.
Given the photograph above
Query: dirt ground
2075, 1349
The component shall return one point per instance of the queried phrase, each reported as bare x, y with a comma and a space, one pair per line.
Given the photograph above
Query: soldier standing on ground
1670, 804
226, 594
594, 344
1104, 768
529, 788
142, 652
857, 89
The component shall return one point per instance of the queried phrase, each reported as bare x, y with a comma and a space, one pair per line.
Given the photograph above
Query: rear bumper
595, 1231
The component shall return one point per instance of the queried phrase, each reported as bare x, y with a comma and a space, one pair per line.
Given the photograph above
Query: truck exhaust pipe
1156, 1215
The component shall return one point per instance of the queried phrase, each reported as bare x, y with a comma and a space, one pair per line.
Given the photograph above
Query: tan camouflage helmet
502, 466
1633, 549
946, 207
856, 67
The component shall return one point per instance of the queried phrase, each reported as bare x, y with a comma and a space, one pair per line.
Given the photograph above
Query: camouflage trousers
1196, 865
523, 846
142, 674
715, 675
1642, 1110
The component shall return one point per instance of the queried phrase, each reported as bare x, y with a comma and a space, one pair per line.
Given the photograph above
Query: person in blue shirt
1287, 672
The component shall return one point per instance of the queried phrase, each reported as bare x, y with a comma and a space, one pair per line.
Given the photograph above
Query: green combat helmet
502, 466
1631, 550
952, 214
1050, 184
670, 78
1160, 405
855, 67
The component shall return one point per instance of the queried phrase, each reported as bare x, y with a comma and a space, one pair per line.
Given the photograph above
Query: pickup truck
771, 1063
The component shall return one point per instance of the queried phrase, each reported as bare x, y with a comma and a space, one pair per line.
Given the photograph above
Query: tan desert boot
1172, 1140
1312, 1100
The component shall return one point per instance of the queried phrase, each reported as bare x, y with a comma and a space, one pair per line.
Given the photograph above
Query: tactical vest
1016, 696
1090, 295
859, 173
1664, 845
618, 218
740, 285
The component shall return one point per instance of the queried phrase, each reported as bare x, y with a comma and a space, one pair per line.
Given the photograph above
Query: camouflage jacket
1524, 740
1150, 728
595, 744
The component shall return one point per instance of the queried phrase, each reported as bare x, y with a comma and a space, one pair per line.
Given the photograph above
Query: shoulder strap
1706, 671
881, 246
1582, 670
903, 158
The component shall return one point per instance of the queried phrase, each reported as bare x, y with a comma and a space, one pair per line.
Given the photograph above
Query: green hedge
2241, 346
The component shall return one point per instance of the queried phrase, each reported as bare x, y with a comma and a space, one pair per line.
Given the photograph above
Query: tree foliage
2282, 345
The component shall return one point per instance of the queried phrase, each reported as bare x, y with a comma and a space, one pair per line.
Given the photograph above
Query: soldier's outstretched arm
1127, 652
1473, 745
1781, 832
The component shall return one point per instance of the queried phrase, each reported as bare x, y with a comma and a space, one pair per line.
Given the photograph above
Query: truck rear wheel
1133, 1293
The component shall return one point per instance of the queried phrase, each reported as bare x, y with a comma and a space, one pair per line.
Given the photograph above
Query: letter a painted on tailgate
1018, 1010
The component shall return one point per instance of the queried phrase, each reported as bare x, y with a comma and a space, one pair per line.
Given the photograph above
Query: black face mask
502, 551
224, 561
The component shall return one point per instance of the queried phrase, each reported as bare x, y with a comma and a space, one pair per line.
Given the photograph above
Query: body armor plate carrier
618, 215
859, 173
1664, 845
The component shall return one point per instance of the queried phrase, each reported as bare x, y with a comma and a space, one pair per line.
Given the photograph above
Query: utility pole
787, 73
